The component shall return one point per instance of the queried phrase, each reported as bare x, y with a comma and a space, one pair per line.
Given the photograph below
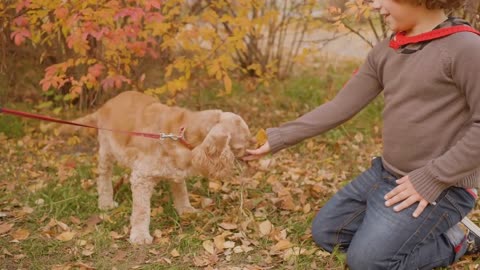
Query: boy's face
399, 16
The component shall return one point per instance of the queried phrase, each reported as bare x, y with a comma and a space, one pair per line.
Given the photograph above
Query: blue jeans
375, 237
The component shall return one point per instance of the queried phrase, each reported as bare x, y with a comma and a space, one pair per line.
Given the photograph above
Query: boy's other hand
257, 153
406, 195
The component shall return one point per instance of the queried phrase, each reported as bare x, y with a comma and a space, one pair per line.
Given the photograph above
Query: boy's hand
257, 153
407, 195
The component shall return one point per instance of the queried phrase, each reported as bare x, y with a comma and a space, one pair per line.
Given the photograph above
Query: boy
405, 211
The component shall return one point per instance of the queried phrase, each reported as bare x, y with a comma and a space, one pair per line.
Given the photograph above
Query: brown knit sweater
431, 117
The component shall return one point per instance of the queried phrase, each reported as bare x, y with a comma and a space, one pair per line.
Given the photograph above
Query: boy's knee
359, 259
356, 259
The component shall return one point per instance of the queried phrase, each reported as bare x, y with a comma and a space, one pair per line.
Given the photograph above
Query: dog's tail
90, 120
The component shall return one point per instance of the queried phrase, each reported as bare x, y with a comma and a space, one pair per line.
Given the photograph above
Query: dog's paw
187, 210
140, 238
107, 205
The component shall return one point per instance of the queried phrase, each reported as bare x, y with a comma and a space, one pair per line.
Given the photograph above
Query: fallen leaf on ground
265, 228
20, 234
116, 235
65, 236
174, 253
282, 245
87, 252
229, 244
5, 227
208, 246
228, 226
219, 242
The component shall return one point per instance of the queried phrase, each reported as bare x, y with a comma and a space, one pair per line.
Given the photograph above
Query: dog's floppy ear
213, 157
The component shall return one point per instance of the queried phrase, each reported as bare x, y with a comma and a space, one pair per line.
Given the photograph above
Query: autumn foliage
93, 46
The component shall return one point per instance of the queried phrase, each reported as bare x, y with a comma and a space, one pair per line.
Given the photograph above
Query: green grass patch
11, 126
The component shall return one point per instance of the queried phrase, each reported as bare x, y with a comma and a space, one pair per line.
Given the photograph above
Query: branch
358, 34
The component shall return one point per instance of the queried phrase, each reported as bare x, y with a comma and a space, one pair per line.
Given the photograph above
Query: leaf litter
259, 220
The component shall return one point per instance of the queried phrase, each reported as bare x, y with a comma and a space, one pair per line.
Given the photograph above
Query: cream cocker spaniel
216, 139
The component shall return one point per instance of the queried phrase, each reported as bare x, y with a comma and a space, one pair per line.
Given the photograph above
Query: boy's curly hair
438, 4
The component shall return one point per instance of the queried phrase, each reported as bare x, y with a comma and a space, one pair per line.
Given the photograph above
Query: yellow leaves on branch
228, 84
347, 19
223, 38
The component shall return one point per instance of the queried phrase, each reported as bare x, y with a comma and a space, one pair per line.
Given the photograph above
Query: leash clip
164, 136
172, 136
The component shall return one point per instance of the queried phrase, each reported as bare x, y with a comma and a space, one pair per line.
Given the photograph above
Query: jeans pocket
461, 200
389, 178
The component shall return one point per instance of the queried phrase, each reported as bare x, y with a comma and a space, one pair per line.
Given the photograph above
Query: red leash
161, 136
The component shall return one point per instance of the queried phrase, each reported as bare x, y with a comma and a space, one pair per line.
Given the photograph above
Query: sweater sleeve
360, 90
462, 160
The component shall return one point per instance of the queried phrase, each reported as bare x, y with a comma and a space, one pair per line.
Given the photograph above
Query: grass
47, 180
11, 126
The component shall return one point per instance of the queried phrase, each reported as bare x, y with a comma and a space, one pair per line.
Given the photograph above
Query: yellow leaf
20, 234
228, 84
157, 234
175, 253
265, 228
205, 202
63, 226
154, 251
261, 137
81, 242
323, 254
229, 244
219, 242
238, 249
156, 211
5, 227
228, 226
282, 245
74, 140
65, 236
61, 267
358, 137
214, 186
208, 246
116, 235
307, 208
87, 252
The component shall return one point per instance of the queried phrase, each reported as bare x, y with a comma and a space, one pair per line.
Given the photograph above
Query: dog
213, 139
